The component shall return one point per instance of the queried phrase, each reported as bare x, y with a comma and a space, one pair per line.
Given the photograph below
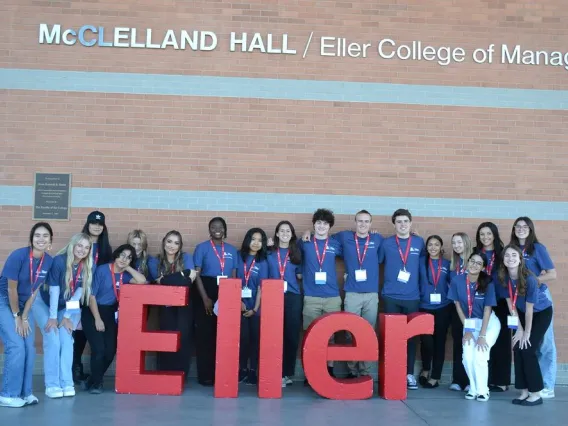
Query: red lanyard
513, 299
322, 258
469, 300
361, 259
405, 257
282, 266
490, 266
435, 278
221, 257
96, 257
74, 280
461, 267
247, 273
114, 287
38, 270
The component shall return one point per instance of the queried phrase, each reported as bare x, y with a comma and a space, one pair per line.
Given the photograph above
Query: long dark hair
523, 271
484, 278
497, 243
293, 249
104, 247
531, 239
164, 267
245, 247
441, 259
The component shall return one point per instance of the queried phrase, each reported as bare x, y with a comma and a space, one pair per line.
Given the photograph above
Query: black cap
96, 217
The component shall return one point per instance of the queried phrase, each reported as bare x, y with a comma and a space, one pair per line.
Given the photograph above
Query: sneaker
243, 374
69, 391
469, 396
31, 399
252, 379
411, 382
351, 376
289, 381
455, 387
283, 382
11, 402
86, 384
547, 393
96, 389
483, 398
54, 392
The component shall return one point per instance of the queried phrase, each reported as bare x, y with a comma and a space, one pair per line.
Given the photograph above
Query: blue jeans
57, 347
19, 355
546, 354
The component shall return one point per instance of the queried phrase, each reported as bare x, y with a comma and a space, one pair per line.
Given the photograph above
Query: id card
219, 277
246, 293
512, 322
73, 306
469, 325
116, 316
435, 298
321, 278
285, 286
403, 276
216, 308
360, 275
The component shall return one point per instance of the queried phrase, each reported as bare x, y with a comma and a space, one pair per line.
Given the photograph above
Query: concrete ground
298, 406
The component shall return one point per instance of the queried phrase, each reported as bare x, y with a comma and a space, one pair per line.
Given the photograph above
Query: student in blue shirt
138, 239
538, 261
100, 319
321, 292
402, 255
527, 302
489, 242
284, 263
57, 312
24, 272
214, 259
252, 268
474, 296
434, 285
461, 250
173, 259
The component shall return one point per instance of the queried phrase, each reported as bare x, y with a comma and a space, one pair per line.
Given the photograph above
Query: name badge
321, 278
285, 286
360, 275
469, 325
512, 322
219, 277
116, 316
435, 298
246, 293
403, 276
73, 306
216, 308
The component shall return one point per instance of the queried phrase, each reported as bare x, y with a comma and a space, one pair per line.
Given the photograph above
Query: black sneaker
423, 380
252, 379
351, 376
87, 384
96, 389
243, 374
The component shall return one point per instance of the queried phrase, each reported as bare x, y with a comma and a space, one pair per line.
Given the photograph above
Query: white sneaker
31, 399
289, 381
69, 391
283, 382
411, 382
547, 393
483, 398
54, 392
455, 387
11, 402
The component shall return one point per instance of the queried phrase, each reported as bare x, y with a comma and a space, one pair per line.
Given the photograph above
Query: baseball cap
96, 217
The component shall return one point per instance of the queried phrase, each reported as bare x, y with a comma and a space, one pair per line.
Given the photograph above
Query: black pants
501, 354
293, 304
433, 346
103, 343
79, 343
205, 331
527, 370
459, 375
175, 318
397, 306
250, 343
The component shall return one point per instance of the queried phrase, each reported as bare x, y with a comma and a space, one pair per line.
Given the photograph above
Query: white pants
475, 361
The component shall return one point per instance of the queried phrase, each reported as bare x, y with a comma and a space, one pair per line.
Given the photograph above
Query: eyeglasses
522, 227
474, 262
125, 256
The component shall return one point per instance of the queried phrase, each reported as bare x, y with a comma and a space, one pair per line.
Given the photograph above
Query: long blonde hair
467, 250
138, 233
86, 269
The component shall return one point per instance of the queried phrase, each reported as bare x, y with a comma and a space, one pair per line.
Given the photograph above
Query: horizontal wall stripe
294, 203
267, 88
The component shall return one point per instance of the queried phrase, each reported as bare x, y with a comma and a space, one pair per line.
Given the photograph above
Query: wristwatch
16, 314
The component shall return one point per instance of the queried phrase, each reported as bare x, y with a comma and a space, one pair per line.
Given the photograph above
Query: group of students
494, 297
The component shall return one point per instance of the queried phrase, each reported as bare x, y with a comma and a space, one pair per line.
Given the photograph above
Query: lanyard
490, 266
322, 258
361, 259
461, 267
114, 287
97, 257
220, 257
38, 270
247, 273
282, 266
513, 299
404, 257
469, 300
73, 282
435, 278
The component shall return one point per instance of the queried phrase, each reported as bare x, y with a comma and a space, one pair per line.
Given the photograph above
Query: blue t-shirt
310, 265
538, 261
460, 270
206, 259
154, 266
390, 256
103, 288
427, 284
258, 273
17, 268
149, 260
534, 294
458, 292
289, 272
351, 260
56, 278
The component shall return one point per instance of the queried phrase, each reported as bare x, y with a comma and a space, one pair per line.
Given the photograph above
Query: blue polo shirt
310, 266
17, 268
289, 272
458, 293
539, 260
206, 259
427, 283
534, 294
154, 266
258, 273
390, 256
351, 260
103, 288
56, 278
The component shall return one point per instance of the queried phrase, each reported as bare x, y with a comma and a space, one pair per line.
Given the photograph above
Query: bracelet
24, 319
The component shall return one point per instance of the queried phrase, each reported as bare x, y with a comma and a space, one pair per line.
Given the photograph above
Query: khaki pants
315, 307
366, 305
